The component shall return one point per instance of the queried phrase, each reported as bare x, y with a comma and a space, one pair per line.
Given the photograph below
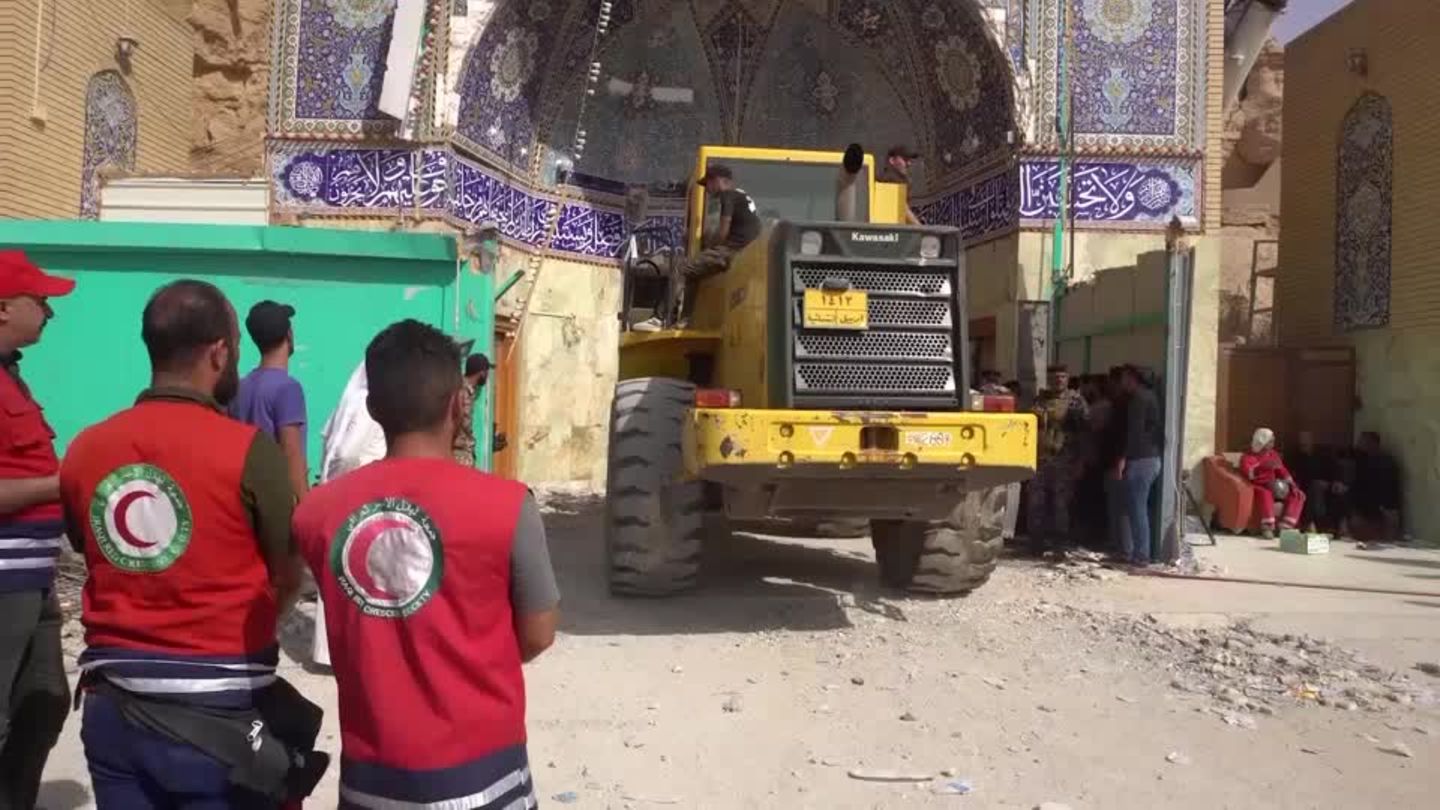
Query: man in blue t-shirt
269, 398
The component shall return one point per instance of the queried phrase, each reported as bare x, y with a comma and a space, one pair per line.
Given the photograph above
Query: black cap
269, 323
715, 170
902, 151
476, 364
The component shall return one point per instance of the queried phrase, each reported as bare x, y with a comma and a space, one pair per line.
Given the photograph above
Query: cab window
794, 191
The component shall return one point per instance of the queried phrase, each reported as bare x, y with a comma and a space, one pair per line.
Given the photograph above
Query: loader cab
796, 186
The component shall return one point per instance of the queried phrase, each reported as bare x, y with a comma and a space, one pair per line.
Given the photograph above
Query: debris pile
1246, 670
1078, 565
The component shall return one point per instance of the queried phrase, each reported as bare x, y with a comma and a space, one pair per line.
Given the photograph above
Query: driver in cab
739, 225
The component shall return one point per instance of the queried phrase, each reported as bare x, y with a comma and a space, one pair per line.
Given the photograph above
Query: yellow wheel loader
824, 377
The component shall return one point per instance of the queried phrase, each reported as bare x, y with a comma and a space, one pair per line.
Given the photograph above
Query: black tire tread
653, 519
949, 557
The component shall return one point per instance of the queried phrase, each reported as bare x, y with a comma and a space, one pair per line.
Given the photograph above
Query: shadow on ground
748, 583
64, 794
1408, 560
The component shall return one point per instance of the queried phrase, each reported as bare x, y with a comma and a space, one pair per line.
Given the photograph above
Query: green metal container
345, 286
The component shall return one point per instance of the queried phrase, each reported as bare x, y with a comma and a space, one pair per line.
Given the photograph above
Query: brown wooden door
1322, 391
505, 378
1251, 393
1286, 390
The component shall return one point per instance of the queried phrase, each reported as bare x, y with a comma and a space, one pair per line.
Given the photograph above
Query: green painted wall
345, 286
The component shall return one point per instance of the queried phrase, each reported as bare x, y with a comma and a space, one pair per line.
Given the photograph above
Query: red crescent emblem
122, 526
358, 555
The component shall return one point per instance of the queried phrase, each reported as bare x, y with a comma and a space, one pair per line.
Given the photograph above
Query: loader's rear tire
946, 558
654, 520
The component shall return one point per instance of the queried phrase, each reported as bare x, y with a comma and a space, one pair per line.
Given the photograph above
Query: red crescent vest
178, 598
412, 558
29, 538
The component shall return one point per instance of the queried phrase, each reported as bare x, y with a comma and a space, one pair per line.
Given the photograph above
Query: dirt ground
792, 673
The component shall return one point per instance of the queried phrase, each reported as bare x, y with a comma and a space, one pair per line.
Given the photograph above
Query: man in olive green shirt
477, 371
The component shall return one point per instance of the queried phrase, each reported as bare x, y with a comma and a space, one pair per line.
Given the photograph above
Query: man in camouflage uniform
477, 370
1063, 418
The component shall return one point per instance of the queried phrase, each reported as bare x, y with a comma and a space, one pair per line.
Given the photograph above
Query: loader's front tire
945, 558
654, 520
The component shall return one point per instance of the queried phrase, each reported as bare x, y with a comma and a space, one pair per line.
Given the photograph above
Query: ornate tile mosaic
1137, 71
981, 211
961, 79
334, 179
332, 59
1363, 203
969, 83
734, 42
499, 85
348, 179
111, 131
1147, 194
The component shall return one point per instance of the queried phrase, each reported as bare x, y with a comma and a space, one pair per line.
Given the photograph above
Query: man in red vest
183, 516
34, 695
437, 584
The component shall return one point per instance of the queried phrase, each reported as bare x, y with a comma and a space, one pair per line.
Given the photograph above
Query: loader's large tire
950, 557
654, 521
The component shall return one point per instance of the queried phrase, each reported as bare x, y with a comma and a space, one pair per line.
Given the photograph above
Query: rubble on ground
1246, 672
1078, 566
566, 498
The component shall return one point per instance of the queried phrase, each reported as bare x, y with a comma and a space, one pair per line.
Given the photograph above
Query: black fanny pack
270, 747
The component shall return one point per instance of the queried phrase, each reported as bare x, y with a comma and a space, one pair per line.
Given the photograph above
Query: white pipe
39, 32
1244, 43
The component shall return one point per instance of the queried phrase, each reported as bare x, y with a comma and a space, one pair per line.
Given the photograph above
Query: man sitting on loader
739, 225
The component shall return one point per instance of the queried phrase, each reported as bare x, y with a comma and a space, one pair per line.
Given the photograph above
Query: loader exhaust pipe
847, 191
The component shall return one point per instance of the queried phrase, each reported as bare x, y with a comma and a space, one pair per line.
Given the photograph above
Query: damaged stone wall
232, 76
1251, 198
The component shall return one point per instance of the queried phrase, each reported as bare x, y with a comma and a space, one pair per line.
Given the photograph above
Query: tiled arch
1363, 199
111, 131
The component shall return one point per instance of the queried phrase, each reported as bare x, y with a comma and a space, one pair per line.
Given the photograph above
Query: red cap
19, 276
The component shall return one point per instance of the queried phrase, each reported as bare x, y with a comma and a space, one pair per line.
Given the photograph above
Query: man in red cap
34, 695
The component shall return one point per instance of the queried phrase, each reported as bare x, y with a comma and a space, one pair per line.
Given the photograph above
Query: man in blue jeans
1139, 466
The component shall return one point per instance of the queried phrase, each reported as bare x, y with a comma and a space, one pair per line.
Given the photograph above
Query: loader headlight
929, 247
811, 242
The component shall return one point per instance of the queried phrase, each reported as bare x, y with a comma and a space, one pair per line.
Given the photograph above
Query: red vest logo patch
387, 558
140, 519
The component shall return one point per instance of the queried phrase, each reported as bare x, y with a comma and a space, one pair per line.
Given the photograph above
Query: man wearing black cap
34, 695
897, 170
269, 398
739, 226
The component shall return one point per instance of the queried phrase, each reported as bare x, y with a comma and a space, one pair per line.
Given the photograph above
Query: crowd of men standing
195, 526
1100, 449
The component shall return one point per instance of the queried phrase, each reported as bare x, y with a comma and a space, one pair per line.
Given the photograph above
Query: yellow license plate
837, 310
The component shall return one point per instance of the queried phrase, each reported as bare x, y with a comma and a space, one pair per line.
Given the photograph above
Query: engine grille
907, 356
874, 345
894, 282
874, 378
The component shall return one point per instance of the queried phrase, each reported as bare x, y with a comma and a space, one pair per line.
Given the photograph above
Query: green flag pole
1065, 142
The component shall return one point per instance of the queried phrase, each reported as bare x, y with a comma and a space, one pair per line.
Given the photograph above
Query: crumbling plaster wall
232, 76
1250, 201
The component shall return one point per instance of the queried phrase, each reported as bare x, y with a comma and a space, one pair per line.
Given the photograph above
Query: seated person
1317, 472
1375, 493
739, 225
1262, 466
